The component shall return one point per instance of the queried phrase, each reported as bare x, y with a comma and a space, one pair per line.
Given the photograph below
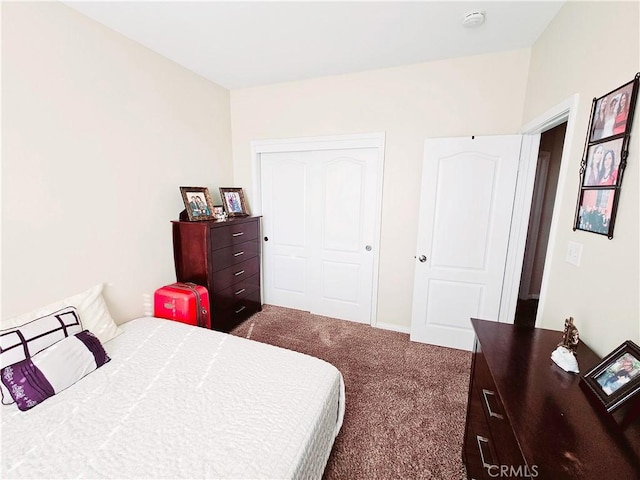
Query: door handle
422, 258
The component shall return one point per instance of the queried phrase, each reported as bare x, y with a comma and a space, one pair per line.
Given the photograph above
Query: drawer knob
240, 291
239, 273
240, 309
237, 234
237, 254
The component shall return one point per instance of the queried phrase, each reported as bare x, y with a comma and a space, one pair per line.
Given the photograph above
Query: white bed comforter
182, 402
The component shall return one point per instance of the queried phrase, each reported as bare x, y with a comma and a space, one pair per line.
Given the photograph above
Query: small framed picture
612, 113
595, 213
197, 203
617, 377
603, 163
218, 212
233, 201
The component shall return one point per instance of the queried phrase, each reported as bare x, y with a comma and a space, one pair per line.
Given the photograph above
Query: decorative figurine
565, 355
570, 337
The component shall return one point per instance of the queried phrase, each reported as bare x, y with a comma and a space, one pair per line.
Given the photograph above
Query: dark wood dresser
528, 418
223, 256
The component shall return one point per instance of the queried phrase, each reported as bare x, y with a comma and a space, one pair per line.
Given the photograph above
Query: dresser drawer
484, 389
225, 257
224, 319
233, 234
225, 278
480, 456
226, 298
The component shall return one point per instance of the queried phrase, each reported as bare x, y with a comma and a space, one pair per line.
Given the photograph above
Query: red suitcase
183, 302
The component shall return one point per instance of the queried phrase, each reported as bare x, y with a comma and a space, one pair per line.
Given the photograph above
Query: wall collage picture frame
605, 158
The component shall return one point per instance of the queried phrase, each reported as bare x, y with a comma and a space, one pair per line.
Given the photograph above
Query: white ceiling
241, 44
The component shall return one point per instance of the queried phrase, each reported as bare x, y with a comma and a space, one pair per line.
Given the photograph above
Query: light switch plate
574, 253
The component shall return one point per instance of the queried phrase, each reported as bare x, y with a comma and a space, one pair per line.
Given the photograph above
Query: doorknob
368, 248
422, 258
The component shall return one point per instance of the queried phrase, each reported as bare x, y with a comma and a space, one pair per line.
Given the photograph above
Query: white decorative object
565, 359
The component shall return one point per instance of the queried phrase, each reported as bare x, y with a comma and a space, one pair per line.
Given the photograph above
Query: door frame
332, 142
565, 111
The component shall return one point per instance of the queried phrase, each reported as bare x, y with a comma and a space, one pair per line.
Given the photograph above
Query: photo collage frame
605, 158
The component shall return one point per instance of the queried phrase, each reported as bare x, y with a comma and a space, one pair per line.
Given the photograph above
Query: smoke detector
473, 19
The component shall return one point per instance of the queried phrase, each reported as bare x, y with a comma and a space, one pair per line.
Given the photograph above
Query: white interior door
286, 250
319, 215
468, 187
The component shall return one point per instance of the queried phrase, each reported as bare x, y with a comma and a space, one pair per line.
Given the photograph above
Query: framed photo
218, 211
612, 113
603, 163
595, 213
616, 378
197, 203
605, 159
233, 201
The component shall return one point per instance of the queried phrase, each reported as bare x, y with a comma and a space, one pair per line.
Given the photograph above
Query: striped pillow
20, 343
33, 380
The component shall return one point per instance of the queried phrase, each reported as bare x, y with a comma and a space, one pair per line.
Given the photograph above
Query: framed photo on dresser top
197, 203
234, 202
616, 379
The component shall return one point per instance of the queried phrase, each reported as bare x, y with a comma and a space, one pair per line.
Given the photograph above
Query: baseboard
393, 327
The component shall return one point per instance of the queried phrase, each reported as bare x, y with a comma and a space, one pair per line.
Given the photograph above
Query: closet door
286, 213
319, 216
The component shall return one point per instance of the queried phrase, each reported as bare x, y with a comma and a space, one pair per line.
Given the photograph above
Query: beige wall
590, 49
481, 95
98, 133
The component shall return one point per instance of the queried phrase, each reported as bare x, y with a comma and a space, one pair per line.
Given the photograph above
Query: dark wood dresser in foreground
527, 418
223, 256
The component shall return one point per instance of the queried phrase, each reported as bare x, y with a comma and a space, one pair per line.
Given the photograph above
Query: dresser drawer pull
485, 394
241, 309
238, 254
237, 234
239, 273
240, 291
482, 440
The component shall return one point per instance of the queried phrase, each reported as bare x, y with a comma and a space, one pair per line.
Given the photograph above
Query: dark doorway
542, 203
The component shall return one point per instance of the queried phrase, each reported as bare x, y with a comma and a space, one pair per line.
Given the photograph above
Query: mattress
178, 401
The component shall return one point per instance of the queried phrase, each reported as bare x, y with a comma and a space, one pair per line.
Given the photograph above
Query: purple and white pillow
34, 379
20, 343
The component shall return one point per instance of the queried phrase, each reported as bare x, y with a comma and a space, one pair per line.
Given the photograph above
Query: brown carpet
406, 401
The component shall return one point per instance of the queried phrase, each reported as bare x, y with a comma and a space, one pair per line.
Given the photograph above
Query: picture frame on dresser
234, 202
616, 379
197, 203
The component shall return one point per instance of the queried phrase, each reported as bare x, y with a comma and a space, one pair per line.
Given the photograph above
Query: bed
177, 401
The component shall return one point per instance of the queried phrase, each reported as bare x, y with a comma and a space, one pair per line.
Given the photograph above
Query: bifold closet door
319, 221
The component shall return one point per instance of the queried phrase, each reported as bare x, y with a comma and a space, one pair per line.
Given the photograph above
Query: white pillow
91, 308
